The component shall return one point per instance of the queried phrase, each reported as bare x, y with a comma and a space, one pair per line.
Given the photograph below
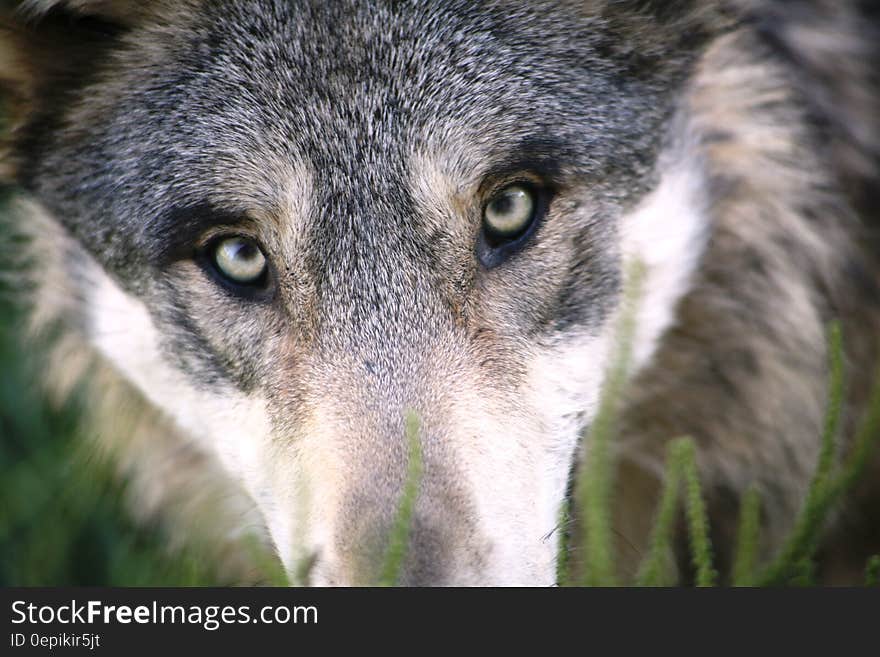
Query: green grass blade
563, 575
399, 539
823, 494
747, 538
595, 480
836, 390
656, 566
872, 571
803, 538
697, 518
865, 443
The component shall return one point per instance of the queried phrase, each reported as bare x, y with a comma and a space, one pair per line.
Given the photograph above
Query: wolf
269, 229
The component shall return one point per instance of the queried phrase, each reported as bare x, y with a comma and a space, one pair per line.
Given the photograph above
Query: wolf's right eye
239, 260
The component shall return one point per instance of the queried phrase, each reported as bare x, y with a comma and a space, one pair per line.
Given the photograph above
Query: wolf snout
427, 552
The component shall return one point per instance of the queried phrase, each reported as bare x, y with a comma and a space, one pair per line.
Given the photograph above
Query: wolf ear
49, 48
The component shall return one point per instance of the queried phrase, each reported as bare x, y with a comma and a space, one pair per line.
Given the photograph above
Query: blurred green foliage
63, 519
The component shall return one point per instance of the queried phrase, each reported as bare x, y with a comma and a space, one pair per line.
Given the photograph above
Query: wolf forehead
214, 102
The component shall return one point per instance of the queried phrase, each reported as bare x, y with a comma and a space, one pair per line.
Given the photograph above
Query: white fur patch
564, 382
667, 233
229, 424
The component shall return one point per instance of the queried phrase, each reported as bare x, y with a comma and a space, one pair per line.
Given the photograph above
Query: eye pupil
244, 251
502, 204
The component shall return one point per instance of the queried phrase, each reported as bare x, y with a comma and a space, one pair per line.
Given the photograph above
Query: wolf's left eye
509, 219
509, 213
239, 260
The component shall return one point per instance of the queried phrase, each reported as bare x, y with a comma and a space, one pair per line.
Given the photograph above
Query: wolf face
292, 222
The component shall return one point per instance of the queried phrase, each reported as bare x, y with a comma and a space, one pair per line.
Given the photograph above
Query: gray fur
157, 127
